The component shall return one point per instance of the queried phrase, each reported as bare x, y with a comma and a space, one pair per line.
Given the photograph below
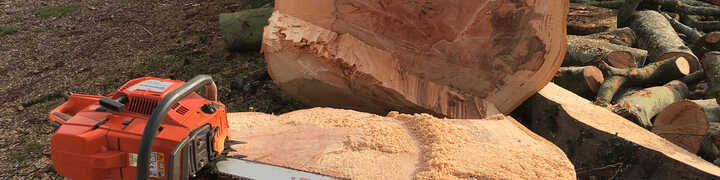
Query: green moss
19, 157
6, 30
38, 29
54, 11
34, 147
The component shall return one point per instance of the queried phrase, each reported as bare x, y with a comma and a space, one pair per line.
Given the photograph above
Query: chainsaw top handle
160, 112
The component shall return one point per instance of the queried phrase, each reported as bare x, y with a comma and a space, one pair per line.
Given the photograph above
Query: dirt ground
93, 47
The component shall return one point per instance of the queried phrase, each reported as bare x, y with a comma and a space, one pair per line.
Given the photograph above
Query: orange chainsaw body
93, 142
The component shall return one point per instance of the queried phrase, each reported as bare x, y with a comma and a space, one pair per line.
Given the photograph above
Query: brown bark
642, 105
583, 51
594, 138
711, 65
356, 145
622, 36
656, 35
445, 58
584, 81
683, 123
585, 19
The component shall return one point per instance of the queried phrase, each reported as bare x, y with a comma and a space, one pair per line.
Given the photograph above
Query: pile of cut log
658, 66
642, 67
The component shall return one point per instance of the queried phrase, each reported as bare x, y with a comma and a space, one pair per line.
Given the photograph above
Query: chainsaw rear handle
160, 112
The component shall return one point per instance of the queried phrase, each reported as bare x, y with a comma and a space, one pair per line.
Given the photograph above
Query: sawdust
358, 145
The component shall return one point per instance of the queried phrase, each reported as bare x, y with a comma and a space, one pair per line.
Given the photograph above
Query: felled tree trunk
584, 81
711, 65
442, 57
583, 51
605, 145
683, 123
642, 105
242, 31
356, 145
622, 36
656, 35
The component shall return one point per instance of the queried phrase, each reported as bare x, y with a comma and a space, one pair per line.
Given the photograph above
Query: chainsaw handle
160, 112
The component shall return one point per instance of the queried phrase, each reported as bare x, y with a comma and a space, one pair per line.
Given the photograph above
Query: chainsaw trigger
98, 124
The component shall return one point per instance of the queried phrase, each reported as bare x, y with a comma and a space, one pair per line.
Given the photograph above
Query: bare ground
93, 47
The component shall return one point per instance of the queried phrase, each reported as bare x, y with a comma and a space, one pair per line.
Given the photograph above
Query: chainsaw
151, 128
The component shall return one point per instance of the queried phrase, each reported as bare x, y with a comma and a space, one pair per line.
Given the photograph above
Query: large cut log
447, 58
656, 35
642, 105
603, 144
583, 51
683, 123
357, 145
584, 19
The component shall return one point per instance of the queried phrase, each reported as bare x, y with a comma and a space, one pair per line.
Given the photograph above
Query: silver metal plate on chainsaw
151, 85
256, 170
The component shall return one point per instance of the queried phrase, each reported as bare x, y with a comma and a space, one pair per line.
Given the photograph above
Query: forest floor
93, 47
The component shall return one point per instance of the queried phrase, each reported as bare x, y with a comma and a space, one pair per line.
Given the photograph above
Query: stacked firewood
658, 66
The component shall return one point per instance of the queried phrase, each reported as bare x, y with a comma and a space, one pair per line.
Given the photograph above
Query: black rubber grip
112, 104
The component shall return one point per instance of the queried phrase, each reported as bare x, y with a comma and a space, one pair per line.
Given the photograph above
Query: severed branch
653, 74
656, 35
642, 105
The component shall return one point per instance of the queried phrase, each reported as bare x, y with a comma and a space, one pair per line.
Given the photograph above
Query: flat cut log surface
683, 123
356, 145
597, 140
448, 58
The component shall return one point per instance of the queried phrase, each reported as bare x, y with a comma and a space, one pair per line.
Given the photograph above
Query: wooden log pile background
660, 62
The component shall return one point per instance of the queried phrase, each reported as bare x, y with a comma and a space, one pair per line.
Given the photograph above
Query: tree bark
656, 73
242, 31
681, 6
593, 138
356, 145
656, 35
683, 123
706, 26
711, 65
626, 11
642, 105
583, 51
621, 36
608, 89
585, 19
377, 57
584, 81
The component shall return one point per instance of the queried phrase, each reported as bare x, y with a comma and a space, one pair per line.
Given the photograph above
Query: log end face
621, 59
593, 77
687, 63
683, 65
683, 123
